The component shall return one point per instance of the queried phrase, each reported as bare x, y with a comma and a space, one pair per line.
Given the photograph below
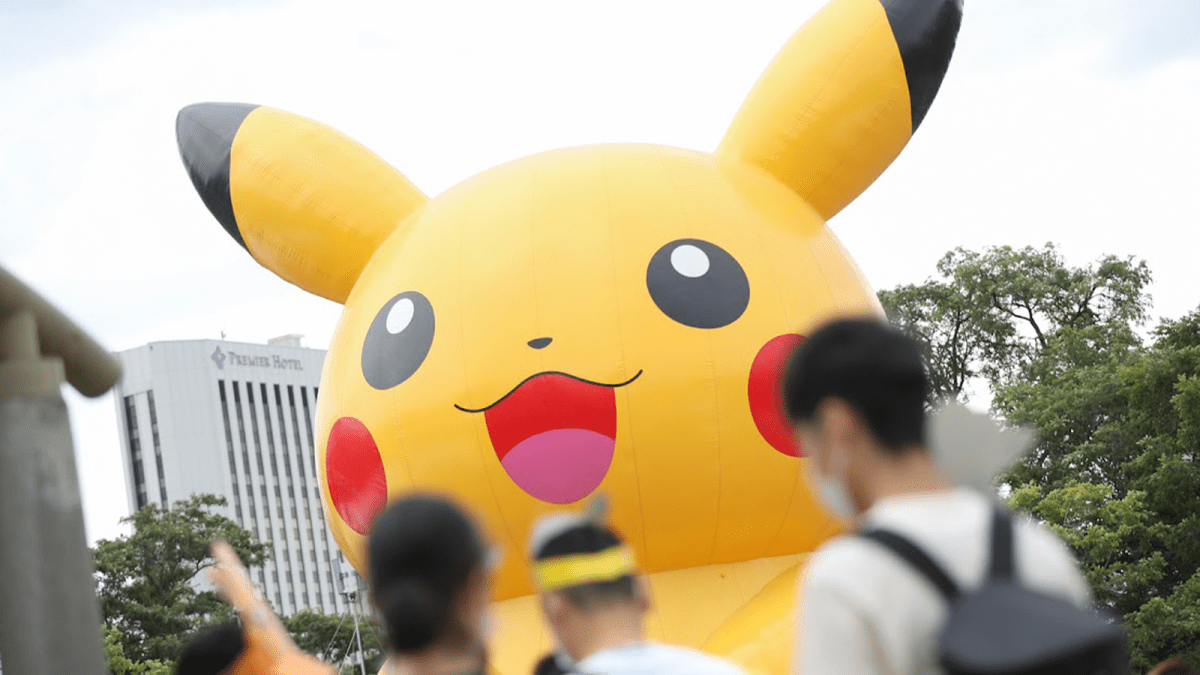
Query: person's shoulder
841, 560
655, 657
695, 661
1046, 563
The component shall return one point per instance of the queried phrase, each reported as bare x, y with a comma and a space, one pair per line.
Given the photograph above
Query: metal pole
362, 666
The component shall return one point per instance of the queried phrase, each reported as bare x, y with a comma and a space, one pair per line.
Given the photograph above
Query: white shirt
652, 658
865, 610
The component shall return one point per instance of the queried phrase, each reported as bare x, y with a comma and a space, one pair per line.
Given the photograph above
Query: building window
135, 452
296, 435
308, 428
283, 444
254, 428
228, 431
158, 460
241, 425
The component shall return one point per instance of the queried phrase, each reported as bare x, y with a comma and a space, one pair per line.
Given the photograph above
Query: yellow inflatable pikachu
609, 318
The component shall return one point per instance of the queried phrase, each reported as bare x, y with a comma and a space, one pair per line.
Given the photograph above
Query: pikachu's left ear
308, 203
845, 94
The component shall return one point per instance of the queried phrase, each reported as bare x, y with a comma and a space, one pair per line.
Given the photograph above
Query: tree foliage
1117, 473
147, 581
1114, 470
991, 314
330, 637
119, 664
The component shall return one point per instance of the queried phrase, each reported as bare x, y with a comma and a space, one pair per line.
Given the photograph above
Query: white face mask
832, 490
487, 626
564, 660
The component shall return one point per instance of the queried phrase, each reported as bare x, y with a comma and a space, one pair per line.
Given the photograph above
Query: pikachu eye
698, 284
398, 340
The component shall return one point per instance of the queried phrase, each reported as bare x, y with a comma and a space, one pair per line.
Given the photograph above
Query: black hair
588, 538
211, 651
549, 666
869, 365
422, 553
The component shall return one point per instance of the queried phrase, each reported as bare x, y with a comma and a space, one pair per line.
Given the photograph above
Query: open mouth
555, 434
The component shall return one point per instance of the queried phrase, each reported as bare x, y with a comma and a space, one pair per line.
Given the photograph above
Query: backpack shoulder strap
1003, 567
915, 557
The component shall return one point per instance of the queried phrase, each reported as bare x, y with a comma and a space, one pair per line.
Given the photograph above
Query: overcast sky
1058, 121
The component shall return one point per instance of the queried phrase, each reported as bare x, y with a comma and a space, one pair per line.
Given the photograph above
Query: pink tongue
560, 466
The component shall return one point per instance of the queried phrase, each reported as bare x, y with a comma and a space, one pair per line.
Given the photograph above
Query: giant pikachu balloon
610, 318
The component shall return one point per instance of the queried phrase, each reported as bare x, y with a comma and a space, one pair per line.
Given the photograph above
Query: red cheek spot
354, 470
766, 394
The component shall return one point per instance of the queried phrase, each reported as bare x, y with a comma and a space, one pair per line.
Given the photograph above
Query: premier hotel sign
221, 358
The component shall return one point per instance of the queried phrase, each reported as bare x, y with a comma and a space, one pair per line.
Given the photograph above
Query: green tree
1117, 474
1114, 470
119, 664
330, 637
990, 314
147, 581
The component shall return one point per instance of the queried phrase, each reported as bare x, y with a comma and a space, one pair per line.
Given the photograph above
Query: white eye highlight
401, 314
687, 259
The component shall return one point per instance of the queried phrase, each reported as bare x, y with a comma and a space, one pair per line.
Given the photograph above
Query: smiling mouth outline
548, 372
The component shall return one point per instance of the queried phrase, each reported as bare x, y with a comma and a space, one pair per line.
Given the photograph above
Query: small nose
540, 343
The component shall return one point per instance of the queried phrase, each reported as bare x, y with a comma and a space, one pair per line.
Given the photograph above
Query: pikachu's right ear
308, 203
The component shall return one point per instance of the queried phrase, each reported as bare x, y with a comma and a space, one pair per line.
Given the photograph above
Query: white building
236, 419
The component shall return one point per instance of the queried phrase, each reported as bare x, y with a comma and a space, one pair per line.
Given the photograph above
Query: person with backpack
937, 578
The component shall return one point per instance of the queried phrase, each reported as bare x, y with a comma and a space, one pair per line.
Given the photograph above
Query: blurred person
259, 646
212, 652
595, 603
856, 392
1172, 668
430, 577
549, 665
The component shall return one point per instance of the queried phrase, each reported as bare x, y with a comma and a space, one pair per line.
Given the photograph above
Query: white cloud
1035, 138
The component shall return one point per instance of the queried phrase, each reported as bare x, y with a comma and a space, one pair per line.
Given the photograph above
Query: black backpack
1005, 629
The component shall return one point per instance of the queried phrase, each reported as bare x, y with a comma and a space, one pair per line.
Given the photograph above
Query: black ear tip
214, 120
205, 133
925, 32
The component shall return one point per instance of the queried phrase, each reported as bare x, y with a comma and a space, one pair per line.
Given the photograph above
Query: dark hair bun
422, 552
413, 614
